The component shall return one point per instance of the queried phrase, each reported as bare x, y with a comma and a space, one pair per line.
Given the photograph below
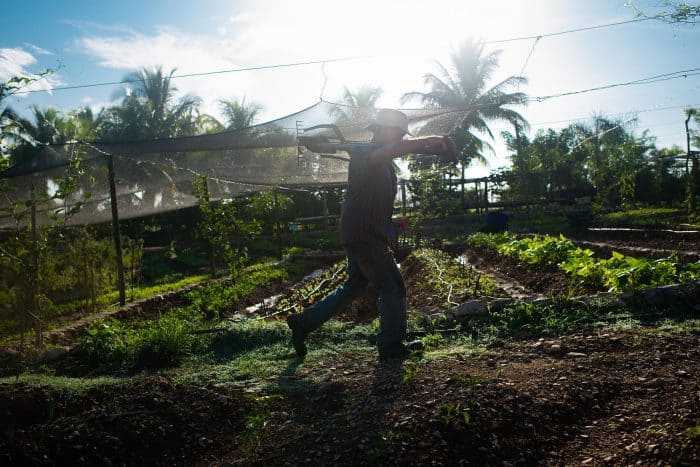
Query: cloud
190, 53
37, 49
16, 62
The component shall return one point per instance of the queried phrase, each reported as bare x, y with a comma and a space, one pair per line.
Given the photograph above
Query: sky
394, 44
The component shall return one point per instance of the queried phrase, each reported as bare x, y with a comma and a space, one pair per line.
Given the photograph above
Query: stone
500, 304
542, 302
654, 297
470, 309
576, 355
7, 354
54, 354
628, 297
440, 319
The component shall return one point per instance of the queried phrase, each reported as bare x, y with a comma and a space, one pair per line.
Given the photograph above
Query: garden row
616, 273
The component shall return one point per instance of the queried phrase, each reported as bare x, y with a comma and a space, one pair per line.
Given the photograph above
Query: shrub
164, 343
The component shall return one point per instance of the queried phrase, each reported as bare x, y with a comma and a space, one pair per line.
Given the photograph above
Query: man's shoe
416, 345
298, 334
398, 352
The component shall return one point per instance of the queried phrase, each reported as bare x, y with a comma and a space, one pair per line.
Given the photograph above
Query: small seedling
693, 433
450, 412
409, 372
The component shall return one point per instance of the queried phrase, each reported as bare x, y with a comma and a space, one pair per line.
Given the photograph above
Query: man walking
367, 235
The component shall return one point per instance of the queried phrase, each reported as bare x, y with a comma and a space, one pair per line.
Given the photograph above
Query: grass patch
693, 433
60, 383
666, 218
439, 279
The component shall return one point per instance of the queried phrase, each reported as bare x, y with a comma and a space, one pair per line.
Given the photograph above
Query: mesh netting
156, 176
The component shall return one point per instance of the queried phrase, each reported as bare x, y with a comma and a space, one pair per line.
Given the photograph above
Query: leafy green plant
410, 371
256, 421
165, 342
450, 412
223, 228
693, 433
619, 272
432, 341
107, 342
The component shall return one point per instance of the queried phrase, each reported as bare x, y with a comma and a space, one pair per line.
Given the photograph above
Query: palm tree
239, 114
148, 109
47, 126
465, 85
357, 105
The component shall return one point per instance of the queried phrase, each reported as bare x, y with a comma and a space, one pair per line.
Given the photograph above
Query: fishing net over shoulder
157, 175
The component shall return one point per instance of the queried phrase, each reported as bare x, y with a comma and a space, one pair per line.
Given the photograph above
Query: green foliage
432, 341
451, 412
436, 197
536, 250
218, 297
487, 241
165, 342
262, 206
107, 342
645, 218
148, 344
221, 226
619, 272
242, 337
693, 433
410, 371
256, 421
443, 278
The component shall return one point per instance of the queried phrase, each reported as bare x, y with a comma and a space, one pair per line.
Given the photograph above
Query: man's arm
440, 145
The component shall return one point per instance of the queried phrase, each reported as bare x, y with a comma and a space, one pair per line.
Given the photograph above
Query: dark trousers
368, 263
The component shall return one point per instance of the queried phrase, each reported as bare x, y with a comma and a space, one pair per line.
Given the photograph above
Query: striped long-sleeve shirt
369, 204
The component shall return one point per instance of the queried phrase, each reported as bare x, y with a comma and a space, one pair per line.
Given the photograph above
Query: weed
389, 436
410, 371
693, 433
431, 341
256, 421
241, 337
450, 412
349, 398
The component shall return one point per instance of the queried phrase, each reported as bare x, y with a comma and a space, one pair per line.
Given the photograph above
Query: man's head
390, 126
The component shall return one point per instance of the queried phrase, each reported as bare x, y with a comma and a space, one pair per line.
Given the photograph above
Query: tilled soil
148, 422
617, 397
537, 279
645, 243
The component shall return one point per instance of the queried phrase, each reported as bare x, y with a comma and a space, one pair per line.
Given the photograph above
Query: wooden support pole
276, 215
486, 196
324, 202
115, 230
210, 246
403, 197
34, 288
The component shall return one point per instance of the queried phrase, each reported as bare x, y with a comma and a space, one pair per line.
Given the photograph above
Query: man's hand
442, 146
450, 152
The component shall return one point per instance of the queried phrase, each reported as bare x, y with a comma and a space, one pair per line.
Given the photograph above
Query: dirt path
509, 285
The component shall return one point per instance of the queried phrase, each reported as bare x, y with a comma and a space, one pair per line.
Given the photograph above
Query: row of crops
617, 273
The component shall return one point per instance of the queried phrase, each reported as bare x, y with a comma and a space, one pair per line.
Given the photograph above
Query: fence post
324, 202
35, 272
403, 196
115, 230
